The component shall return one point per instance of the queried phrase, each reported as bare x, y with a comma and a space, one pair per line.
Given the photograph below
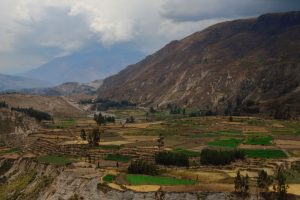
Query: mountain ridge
84, 66
214, 69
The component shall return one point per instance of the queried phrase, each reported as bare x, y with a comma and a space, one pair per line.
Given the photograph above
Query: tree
100, 119
130, 119
142, 167
94, 137
160, 141
264, 181
238, 182
83, 134
241, 183
171, 158
280, 187
152, 110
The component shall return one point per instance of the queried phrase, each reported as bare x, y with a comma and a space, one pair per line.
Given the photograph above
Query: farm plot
54, 159
265, 153
157, 180
227, 143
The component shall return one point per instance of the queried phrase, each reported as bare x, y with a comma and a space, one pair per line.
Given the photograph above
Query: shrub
3, 104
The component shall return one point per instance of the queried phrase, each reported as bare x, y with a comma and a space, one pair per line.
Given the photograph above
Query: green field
187, 152
229, 143
265, 153
256, 140
157, 180
13, 150
54, 159
228, 133
118, 158
204, 135
109, 178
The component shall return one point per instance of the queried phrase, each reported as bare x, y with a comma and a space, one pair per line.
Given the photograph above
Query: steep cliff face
231, 63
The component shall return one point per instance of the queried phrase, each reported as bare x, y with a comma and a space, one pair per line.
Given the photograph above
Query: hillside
85, 66
8, 82
66, 89
236, 66
57, 106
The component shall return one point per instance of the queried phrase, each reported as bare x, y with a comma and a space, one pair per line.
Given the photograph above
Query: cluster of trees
174, 109
142, 167
171, 158
39, 115
242, 107
103, 119
264, 181
202, 113
93, 137
152, 110
241, 183
105, 104
86, 101
130, 119
3, 104
220, 157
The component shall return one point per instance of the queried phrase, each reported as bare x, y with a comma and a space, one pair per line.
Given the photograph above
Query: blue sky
33, 32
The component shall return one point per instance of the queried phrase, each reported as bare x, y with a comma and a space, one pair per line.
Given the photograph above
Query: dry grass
51, 104
143, 188
209, 176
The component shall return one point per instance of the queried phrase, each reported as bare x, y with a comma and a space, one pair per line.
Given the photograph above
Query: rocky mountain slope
8, 82
245, 65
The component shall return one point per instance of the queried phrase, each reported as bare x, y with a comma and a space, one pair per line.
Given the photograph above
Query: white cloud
43, 29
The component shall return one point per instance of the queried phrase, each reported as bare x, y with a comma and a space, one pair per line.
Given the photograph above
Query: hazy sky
33, 32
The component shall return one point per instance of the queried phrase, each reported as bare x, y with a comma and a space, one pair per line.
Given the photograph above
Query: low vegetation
54, 159
108, 178
229, 143
188, 153
13, 150
256, 140
117, 157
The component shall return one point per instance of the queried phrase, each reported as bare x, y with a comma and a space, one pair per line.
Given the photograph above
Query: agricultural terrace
137, 134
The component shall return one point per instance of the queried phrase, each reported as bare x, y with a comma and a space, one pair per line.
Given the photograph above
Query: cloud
44, 29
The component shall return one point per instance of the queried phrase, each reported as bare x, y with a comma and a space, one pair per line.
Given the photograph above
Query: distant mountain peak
85, 66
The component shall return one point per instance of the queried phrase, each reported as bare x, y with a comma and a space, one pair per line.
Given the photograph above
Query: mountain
85, 66
246, 65
8, 82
